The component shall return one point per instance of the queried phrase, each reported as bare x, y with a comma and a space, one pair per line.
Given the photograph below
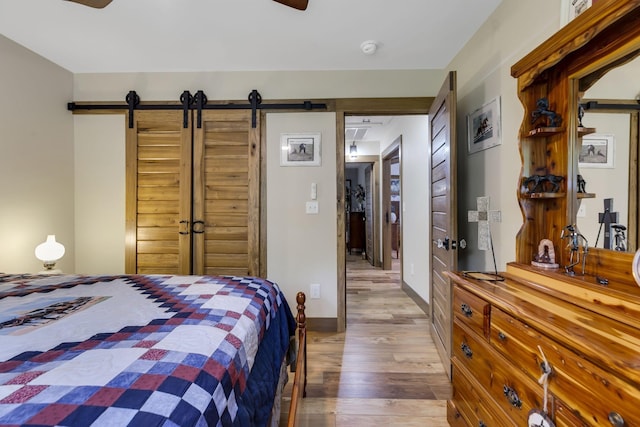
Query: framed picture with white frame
483, 127
570, 9
596, 151
300, 149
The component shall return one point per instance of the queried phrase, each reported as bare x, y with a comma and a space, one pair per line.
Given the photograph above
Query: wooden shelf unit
589, 332
603, 37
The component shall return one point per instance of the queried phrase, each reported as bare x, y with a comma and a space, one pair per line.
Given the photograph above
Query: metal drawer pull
512, 396
466, 350
502, 336
482, 424
616, 419
466, 310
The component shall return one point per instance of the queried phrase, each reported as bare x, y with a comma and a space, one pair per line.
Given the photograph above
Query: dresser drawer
473, 402
588, 390
454, 417
508, 386
566, 418
472, 311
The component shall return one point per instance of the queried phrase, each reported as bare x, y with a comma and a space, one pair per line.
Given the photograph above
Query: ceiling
243, 35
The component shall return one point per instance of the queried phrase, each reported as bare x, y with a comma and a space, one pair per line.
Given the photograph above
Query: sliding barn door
158, 168
193, 199
226, 194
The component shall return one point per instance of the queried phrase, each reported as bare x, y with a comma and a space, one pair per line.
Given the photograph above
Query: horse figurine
581, 184
553, 118
542, 183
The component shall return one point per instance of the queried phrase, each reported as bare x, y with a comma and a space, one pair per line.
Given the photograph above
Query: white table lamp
49, 253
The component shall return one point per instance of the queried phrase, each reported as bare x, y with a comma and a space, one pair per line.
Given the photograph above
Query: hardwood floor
384, 370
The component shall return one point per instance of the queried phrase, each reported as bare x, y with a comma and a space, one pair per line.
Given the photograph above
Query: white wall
301, 247
100, 193
415, 217
483, 68
271, 84
36, 158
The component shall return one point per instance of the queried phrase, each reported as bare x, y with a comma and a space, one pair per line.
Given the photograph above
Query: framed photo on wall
483, 127
596, 151
573, 8
300, 149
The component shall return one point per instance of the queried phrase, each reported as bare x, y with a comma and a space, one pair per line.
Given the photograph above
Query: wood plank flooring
384, 370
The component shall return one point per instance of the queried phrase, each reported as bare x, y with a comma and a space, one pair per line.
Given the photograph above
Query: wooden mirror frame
603, 37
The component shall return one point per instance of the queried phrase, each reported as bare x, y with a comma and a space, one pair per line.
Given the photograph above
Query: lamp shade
50, 251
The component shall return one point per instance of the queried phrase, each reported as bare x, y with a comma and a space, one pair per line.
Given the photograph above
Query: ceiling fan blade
98, 4
296, 4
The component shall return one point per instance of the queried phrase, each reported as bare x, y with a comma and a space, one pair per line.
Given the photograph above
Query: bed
152, 350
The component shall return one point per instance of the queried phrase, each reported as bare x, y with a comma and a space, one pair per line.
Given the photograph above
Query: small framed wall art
300, 149
572, 8
483, 126
596, 151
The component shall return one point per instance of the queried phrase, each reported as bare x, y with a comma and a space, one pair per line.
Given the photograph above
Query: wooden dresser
589, 334
357, 234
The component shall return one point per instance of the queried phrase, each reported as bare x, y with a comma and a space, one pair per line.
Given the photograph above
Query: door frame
360, 107
393, 152
374, 161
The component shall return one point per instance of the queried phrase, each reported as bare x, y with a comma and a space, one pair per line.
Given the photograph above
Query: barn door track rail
197, 102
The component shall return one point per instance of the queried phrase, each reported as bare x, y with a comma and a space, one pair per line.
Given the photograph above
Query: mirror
607, 157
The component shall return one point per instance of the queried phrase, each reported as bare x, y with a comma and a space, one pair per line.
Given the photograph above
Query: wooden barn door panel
226, 194
158, 168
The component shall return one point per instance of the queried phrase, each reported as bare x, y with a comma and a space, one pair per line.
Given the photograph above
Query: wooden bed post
299, 390
301, 318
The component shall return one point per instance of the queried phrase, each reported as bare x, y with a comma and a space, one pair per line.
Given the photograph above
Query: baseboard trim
424, 306
322, 324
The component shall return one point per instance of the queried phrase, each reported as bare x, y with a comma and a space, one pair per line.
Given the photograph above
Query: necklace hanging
537, 417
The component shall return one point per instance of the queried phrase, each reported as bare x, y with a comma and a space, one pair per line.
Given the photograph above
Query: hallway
384, 370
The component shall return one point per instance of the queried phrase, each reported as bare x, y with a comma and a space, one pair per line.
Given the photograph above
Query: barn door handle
199, 230
184, 221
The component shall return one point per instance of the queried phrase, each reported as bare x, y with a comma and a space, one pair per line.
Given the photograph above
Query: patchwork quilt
140, 350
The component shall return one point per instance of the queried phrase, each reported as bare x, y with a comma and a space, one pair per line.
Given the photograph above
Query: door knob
443, 244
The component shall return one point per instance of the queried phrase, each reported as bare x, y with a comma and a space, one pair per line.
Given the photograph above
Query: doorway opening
398, 111
391, 202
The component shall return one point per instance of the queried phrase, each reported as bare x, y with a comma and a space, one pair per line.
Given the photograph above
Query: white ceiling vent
355, 134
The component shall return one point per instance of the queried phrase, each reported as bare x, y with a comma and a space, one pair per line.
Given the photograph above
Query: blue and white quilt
140, 350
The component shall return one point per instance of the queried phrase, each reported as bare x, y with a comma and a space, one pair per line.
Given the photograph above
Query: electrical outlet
315, 291
312, 207
582, 211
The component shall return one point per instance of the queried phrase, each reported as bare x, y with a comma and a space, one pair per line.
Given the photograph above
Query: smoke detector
369, 47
